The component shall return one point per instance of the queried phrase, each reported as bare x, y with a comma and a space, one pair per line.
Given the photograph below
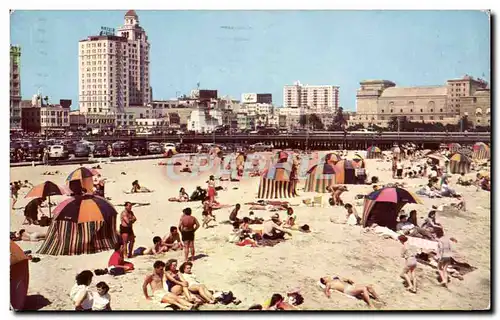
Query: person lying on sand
160, 295
198, 194
276, 302
173, 240
50, 173
347, 286
158, 247
272, 231
136, 188
194, 285
23, 235
409, 229
460, 205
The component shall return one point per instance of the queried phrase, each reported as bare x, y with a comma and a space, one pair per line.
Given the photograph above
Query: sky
239, 52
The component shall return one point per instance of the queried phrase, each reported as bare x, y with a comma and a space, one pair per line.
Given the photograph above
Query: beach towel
269, 243
220, 206
128, 192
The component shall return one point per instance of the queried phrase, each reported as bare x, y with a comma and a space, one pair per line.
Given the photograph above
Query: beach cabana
383, 206
81, 225
373, 152
459, 163
345, 171
454, 147
480, 151
19, 276
319, 177
278, 181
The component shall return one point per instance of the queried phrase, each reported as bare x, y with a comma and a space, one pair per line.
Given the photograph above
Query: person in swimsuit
408, 253
160, 295
234, 214
117, 261
188, 226
348, 287
291, 218
445, 256
183, 196
193, 285
127, 233
211, 190
175, 282
22, 235
173, 241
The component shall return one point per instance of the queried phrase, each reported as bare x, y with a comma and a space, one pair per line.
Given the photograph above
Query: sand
254, 274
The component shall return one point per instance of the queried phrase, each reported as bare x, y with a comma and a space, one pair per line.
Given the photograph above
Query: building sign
106, 31
265, 98
249, 98
207, 94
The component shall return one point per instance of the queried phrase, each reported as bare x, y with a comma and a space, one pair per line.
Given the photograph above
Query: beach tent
459, 163
480, 151
373, 152
19, 276
319, 177
383, 206
81, 225
345, 169
454, 147
278, 181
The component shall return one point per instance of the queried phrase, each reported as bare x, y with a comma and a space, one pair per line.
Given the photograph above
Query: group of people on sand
178, 287
84, 299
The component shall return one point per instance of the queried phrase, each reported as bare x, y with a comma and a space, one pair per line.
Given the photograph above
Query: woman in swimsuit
408, 253
183, 196
211, 190
175, 282
348, 287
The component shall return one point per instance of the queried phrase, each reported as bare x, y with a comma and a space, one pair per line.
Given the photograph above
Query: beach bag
116, 271
226, 298
44, 221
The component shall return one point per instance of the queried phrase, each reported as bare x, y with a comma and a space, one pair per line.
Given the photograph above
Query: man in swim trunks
348, 287
160, 295
126, 232
173, 241
234, 214
188, 226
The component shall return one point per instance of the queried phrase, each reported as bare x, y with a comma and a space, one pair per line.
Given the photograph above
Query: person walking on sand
408, 253
445, 256
160, 295
188, 226
126, 232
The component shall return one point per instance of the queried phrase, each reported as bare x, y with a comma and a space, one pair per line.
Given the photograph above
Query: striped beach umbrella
86, 208
454, 147
480, 151
382, 206
47, 189
80, 178
459, 163
373, 152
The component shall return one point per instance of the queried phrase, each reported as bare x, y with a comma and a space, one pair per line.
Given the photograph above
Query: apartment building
316, 98
15, 87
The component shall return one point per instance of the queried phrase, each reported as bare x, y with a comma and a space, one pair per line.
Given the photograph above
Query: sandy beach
254, 274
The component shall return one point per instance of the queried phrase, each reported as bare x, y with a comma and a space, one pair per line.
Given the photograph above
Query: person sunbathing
136, 188
173, 240
175, 282
407, 228
193, 285
160, 295
347, 286
277, 302
23, 235
158, 247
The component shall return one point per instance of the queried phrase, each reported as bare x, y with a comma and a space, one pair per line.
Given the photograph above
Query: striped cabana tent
454, 147
373, 152
480, 151
68, 238
345, 171
279, 181
319, 177
459, 163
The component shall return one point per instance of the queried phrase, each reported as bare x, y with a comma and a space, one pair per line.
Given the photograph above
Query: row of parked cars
24, 150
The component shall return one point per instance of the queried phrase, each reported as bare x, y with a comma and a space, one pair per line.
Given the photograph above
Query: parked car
154, 148
138, 147
120, 149
100, 150
58, 152
82, 150
166, 146
34, 152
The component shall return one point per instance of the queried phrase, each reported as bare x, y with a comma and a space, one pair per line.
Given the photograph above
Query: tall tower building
15, 87
114, 69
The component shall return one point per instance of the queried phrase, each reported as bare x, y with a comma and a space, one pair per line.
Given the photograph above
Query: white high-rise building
114, 70
313, 98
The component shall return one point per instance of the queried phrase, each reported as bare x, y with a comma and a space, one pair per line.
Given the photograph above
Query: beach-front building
377, 101
315, 98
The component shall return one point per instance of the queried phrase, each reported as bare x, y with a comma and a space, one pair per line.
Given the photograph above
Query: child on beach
102, 299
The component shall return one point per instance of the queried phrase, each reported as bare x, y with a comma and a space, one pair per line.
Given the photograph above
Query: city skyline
262, 51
